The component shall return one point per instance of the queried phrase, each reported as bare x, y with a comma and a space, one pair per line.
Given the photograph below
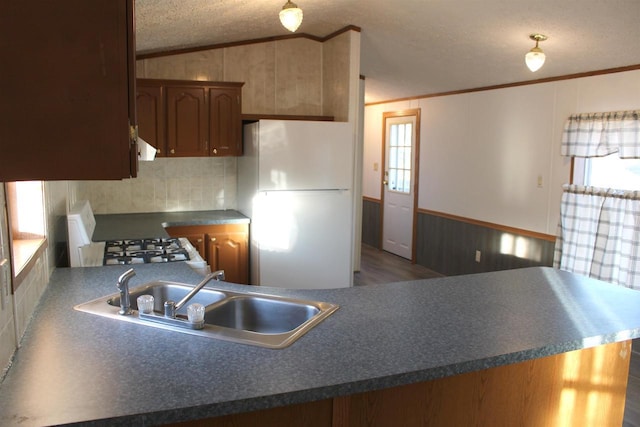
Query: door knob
385, 182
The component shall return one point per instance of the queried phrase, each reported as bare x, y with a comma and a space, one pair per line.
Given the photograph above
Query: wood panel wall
448, 245
290, 76
371, 220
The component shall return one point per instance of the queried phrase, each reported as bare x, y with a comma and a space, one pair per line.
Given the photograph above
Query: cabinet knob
199, 240
158, 150
173, 151
215, 151
213, 239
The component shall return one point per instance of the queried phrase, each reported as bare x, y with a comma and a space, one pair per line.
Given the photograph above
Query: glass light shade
291, 16
535, 59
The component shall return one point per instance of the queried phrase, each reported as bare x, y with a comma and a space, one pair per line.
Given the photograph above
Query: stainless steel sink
260, 314
244, 317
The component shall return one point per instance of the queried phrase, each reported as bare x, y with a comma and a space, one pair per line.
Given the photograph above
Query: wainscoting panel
371, 221
449, 247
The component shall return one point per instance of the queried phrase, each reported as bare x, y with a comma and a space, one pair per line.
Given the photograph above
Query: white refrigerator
295, 182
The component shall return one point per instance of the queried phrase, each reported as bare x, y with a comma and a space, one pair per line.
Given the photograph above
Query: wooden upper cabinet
186, 122
225, 122
150, 112
68, 90
184, 118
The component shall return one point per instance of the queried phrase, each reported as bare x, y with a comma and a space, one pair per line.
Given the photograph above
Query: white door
398, 185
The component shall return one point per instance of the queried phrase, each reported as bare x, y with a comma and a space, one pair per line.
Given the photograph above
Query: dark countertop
77, 367
152, 224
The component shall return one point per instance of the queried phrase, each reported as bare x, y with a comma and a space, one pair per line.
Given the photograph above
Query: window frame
25, 248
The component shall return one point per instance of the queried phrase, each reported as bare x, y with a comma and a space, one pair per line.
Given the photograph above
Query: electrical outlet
478, 255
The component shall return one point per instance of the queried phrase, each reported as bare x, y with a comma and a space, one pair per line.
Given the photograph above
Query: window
25, 204
608, 172
598, 234
399, 164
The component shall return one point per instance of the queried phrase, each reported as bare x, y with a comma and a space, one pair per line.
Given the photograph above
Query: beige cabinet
223, 246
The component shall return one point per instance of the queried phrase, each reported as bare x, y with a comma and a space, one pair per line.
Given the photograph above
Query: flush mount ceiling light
291, 16
535, 57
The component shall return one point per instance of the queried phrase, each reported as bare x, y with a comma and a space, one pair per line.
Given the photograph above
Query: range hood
146, 152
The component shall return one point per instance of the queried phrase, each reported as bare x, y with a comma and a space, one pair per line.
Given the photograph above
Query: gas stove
144, 251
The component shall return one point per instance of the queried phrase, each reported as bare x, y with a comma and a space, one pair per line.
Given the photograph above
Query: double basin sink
243, 317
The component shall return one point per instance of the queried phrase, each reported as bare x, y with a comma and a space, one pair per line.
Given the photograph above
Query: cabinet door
229, 252
68, 90
198, 242
225, 122
186, 122
194, 234
150, 111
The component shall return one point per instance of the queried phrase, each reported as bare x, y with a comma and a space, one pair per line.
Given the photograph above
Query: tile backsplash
166, 185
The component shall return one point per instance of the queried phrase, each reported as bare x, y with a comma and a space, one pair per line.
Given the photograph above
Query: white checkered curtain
599, 234
601, 134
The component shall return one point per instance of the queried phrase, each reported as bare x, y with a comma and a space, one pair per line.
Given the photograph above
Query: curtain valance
601, 134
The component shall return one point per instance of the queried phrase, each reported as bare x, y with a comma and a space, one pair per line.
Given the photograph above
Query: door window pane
400, 157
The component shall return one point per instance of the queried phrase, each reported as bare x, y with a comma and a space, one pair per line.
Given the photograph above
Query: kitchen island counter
75, 367
153, 224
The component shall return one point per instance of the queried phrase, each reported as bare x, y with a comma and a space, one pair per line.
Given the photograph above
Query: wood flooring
382, 267
378, 267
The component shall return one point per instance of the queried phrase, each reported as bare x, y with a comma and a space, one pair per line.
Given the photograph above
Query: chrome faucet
123, 287
170, 307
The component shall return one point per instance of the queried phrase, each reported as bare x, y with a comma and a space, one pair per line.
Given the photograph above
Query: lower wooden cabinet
223, 246
228, 250
580, 388
198, 240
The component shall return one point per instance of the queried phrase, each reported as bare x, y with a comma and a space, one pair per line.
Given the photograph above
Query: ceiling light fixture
535, 57
291, 16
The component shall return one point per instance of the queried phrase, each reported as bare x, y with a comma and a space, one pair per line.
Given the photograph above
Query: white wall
482, 152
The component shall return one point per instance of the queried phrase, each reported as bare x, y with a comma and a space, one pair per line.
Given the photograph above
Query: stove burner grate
143, 251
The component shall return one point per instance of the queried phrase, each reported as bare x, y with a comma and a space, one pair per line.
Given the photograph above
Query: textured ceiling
419, 47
